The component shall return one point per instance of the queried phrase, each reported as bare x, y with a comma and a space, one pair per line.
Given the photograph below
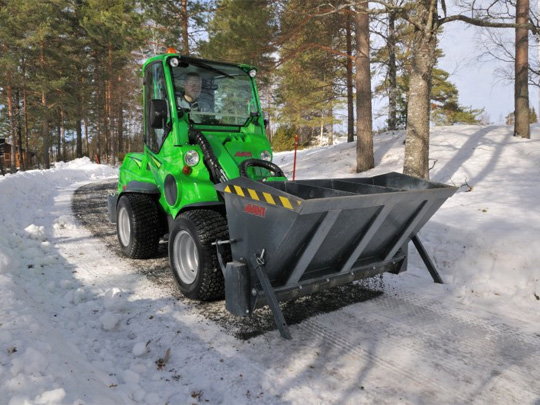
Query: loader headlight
191, 158
253, 73
265, 155
174, 62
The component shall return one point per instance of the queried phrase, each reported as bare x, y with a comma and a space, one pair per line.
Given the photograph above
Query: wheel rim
186, 257
124, 226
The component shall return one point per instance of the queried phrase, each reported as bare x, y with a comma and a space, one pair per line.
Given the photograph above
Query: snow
488, 234
79, 326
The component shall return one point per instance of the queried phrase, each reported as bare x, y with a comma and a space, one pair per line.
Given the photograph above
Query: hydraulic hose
260, 163
209, 158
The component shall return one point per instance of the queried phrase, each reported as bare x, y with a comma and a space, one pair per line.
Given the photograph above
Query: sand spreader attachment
293, 238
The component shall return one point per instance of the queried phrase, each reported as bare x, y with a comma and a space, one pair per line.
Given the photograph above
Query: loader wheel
192, 257
138, 226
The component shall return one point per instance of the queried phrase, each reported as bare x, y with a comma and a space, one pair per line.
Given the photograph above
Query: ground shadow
90, 207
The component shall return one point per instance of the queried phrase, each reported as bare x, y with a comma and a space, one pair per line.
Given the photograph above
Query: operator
192, 90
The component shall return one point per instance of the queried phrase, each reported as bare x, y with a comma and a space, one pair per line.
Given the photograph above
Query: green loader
188, 148
236, 227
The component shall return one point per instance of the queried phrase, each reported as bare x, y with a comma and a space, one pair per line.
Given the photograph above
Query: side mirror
265, 119
158, 113
253, 112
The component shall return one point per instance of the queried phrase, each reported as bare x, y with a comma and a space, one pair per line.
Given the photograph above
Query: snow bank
486, 238
38, 363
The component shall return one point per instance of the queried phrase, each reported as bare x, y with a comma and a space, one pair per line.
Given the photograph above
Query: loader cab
213, 93
185, 96
226, 99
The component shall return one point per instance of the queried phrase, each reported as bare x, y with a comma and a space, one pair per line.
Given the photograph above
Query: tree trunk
521, 90
45, 132
331, 124
11, 120
109, 133
423, 61
120, 126
185, 23
98, 145
45, 115
59, 147
78, 120
78, 148
120, 117
321, 137
25, 116
364, 142
392, 73
63, 130
22, 158
350, 100
86, 137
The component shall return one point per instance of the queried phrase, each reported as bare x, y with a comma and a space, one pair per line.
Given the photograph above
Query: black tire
138, 226
192, 257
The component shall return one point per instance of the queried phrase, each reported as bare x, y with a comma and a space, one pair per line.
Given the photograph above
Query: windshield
214, 94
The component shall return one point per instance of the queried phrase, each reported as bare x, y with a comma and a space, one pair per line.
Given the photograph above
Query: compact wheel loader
236, 227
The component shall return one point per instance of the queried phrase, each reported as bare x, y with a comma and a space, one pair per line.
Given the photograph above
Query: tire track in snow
449, 350
424, 304
332, 338
495, 349
81, 249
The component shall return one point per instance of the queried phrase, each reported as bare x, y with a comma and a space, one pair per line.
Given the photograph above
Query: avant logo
243, 154
257, 210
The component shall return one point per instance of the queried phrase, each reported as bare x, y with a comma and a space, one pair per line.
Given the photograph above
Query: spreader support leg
273, 302
427, 260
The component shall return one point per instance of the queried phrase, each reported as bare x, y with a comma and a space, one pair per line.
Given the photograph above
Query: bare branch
486, 23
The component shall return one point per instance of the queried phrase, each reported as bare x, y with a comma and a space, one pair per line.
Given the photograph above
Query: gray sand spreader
293, 238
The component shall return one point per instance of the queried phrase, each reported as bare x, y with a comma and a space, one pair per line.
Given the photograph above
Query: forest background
70, 79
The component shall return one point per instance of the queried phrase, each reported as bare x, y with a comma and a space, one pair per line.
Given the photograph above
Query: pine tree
445, 107
312, 72
115, 29
176, 23
533, 118
242, 31
394, 56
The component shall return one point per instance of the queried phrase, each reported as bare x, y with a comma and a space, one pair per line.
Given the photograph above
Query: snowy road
404, 346
81, 325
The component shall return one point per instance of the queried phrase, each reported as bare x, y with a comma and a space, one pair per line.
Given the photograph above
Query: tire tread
211, 226
145, 226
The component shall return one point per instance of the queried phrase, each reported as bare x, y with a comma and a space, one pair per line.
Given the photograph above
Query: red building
7, 157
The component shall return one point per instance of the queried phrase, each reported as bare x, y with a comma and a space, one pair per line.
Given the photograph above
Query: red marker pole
294, 165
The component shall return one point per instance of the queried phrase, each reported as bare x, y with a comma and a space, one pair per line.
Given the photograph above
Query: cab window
155, 89
213, 93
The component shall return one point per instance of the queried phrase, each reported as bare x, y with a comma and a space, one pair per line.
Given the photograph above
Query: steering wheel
260, 163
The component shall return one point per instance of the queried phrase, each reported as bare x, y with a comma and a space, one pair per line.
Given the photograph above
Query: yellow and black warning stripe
262, 196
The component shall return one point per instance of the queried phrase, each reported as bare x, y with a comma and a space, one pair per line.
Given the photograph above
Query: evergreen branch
311, 46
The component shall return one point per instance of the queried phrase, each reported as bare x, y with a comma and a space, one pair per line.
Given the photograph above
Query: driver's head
192, 86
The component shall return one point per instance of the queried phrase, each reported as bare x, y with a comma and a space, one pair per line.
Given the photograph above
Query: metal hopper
293, 238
